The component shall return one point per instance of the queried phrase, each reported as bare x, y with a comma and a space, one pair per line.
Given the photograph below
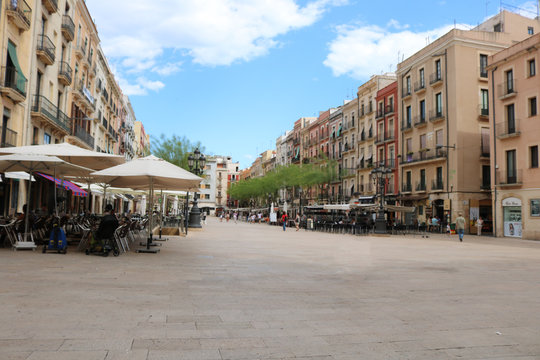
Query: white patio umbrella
70, 153
43, 163
149, 173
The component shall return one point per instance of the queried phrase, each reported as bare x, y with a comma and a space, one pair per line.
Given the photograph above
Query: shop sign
512, 201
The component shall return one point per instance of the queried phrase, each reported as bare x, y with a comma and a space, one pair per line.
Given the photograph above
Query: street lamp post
379, 179
196, 163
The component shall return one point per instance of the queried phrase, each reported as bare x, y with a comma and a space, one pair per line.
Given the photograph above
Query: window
497, 27
438, 104
409, 115
483, 65
439, 137
408, 89
207, 196
531, 67
510, 119
423, 144
509, 75
533, 151
422, 179
530, 30
484, 102
511, 173
422, 110
485, 142
438, 72
532, 106
408, 177
486, 177
422, 79
46, 138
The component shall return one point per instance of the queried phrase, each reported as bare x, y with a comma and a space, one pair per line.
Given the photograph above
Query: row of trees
284, 177
175, 149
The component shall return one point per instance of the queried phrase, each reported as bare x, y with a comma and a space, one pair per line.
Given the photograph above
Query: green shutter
339, 131
21, 80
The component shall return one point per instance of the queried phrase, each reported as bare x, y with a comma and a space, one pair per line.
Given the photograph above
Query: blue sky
236, 74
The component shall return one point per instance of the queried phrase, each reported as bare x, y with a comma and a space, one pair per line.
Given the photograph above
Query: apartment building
367, 95
443, 91
515, 129
349, 164
335, 146
386, 138
281, 150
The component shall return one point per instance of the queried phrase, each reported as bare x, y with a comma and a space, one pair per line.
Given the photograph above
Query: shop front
512, 217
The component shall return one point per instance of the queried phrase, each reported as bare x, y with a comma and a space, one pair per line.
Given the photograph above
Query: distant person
460, 226
479, 225
284, 220
297, 222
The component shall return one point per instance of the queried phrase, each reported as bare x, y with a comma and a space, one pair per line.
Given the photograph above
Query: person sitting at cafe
108, 224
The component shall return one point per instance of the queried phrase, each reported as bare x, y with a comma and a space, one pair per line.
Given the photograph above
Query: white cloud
140, 86
212, 32
363, 51
168, 69
528, 9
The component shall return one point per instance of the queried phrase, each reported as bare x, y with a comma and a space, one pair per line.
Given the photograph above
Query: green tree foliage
305, 175
175, 149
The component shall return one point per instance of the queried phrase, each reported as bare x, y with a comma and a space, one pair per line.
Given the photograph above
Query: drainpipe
495, 231
31, 78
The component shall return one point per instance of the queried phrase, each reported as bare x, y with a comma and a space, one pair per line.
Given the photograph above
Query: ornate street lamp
196, 163
379, 175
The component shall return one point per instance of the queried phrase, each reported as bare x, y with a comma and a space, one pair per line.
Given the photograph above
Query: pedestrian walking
460, 225
297, 222
479, 224
235, 217
284, 220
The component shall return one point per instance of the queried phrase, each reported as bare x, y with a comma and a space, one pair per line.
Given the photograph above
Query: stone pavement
239, 291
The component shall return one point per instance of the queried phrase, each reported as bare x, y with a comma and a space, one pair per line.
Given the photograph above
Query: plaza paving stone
245, 291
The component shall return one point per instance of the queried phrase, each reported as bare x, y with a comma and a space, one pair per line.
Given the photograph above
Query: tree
175, 149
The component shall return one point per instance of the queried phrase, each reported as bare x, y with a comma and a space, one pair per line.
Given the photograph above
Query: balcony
510, 178
8, 137
348, 147
419, 86
421, 186
80, 52
13, 84
435, 79
406, 93
19, 13
419, 121
389, 136
84, 95
388, 163
437, 185
436, 115
506, 90
389, 109
483, 112
425, 155
50, 5
406, 188
83, 135
485, 151
46, 113
379, 114
406, 126
507, 129
45, 50
369, 109
483, 73
68, 28
64, 73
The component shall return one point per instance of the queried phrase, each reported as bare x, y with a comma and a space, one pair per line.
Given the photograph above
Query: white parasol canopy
70, 153
149, 173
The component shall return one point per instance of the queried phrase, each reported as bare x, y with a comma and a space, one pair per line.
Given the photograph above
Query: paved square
239, 291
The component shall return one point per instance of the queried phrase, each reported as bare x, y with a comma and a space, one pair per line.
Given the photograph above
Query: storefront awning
68, 185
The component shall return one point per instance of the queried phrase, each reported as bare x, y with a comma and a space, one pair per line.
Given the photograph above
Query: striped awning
68, 185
